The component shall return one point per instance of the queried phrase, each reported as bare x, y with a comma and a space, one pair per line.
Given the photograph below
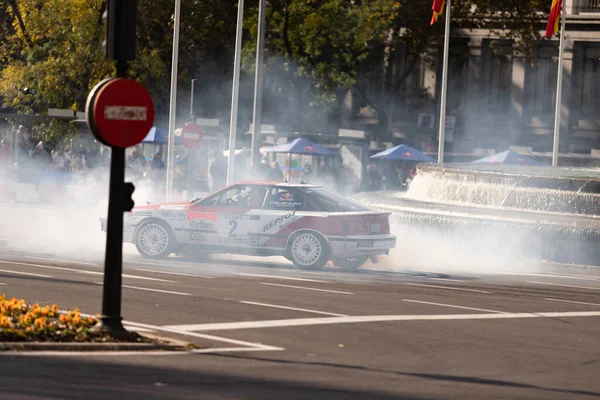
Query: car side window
283, 199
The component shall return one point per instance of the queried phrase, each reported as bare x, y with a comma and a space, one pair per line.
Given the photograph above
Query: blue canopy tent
507, 157
159, 136
403, 152
300, 146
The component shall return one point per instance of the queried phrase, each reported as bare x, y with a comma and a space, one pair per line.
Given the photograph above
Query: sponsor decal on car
240, 217
173, 215
202, 215
235, 240
281, 222
174, 207
201, 224
196, 237
142, 214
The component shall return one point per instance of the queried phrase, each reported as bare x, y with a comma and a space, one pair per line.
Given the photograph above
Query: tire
308, 250
351, 263
154, 239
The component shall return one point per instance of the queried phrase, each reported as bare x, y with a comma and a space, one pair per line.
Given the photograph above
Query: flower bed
22, 322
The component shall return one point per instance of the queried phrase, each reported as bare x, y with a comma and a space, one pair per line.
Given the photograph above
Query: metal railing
590, 6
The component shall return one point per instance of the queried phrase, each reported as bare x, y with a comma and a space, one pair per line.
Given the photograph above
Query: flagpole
235, 93
444, 86
173, 103
557, 109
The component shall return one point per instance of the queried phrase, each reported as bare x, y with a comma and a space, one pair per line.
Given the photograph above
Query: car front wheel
154, 240
308, 250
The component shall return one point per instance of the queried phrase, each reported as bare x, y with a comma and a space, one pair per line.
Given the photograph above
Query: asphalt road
270, 331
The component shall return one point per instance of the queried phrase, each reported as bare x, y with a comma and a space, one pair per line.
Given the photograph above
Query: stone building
498, 99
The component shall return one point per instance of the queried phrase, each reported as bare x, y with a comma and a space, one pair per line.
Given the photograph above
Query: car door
225, 219
282, 208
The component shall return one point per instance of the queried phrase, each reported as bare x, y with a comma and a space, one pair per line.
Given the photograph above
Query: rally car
308, 224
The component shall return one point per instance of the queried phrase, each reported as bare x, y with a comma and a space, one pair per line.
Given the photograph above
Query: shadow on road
436, 377
79, 378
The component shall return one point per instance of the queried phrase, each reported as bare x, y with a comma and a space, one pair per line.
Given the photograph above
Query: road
270, 331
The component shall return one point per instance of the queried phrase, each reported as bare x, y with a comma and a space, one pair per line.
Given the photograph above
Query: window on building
458, 68
590, 100
543, 74
500, 78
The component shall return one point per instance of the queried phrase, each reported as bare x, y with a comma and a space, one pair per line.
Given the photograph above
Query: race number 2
233, 225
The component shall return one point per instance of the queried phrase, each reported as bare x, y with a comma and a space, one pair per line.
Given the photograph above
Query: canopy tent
302, 146
160, 136
402, 152
507, 157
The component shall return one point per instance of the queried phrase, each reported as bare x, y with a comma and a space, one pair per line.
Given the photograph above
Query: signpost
191, 135
120, 112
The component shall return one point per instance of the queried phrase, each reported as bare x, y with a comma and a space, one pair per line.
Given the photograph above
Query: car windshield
327, 200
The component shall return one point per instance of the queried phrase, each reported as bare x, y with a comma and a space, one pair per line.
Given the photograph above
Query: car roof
279, 184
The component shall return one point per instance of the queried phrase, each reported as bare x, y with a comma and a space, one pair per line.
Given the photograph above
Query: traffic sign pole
111, 319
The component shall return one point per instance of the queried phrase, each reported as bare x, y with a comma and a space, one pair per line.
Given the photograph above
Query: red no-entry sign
120, 112
191, 135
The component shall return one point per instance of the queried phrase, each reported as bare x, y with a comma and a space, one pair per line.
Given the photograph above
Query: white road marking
372, 318
305, 288
453, 306
311, 273
574, 302
174, 273
289, 278
2, 284
59, 260
293, 308
448, 287
24, 273
151, 290
256, 346
136, 329
445, 279
80, 271
557, 275
560, 284
134, 353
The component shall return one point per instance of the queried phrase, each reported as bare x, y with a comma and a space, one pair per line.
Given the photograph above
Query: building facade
497, 97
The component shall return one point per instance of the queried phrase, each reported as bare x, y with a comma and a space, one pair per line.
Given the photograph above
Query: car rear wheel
154, 240
308, 250
351, 263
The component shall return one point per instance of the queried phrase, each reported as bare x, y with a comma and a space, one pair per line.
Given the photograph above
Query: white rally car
307, 224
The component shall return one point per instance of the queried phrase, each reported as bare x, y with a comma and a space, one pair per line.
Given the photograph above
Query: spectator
157, 162
218, 172
40, 156
275, 174
373, 178
61, 160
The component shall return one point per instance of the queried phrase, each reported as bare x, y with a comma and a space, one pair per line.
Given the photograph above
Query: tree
343, 44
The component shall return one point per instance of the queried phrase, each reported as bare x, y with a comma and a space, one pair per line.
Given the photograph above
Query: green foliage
50, 53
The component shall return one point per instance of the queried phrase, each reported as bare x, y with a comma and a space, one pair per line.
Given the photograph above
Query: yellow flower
76, 320
40, 323
45, 311
90, 320
54, 308
63, 318
5, 322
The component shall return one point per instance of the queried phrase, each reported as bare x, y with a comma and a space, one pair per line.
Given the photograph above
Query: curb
169, 345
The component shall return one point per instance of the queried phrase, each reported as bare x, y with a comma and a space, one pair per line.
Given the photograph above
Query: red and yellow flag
553, 18
438, 8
